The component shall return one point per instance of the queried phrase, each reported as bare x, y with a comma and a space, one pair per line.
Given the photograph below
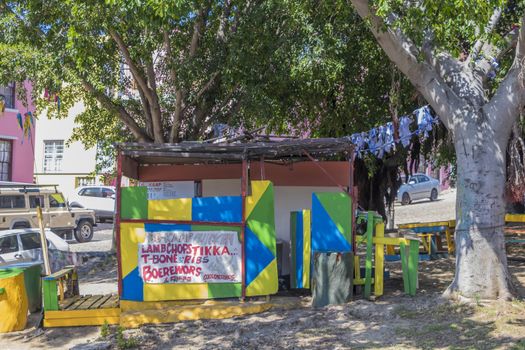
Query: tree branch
424, 78
175, 126
509, 98
139, 77
104, 100
494, 19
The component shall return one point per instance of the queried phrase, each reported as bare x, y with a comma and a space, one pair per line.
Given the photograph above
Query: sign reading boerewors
190, 257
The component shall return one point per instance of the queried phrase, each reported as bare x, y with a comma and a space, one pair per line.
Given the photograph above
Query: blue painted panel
133, 286
299, 248
217, 209
257, 256
326, 237
166, 227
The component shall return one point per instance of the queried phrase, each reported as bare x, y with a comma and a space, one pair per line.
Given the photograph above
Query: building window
7, 95
53, 155
5, 160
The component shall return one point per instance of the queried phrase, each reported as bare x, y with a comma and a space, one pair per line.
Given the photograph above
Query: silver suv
18, 210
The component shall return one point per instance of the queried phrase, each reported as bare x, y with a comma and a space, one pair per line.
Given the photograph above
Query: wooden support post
118, 208
244, 184
368, 261
412, 266
404, 267
379, 261
43, 240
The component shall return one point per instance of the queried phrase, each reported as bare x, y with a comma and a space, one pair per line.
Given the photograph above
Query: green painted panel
134, 203
262, 220
224, 290
339, 206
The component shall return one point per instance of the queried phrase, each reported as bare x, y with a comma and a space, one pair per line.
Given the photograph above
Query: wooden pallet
85, 310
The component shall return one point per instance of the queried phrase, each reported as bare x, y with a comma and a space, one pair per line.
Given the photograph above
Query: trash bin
33, 282
13, 301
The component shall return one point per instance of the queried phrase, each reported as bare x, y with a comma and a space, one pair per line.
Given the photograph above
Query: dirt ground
394, 321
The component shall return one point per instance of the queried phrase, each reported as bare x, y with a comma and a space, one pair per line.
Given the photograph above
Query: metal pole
117, 220
43, 241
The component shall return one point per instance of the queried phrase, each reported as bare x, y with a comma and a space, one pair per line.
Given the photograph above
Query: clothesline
380, 140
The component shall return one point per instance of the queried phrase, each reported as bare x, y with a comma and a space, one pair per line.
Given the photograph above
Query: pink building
17, 153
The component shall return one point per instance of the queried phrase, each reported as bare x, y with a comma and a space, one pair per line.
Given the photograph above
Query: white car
23, 246
101, 199
419, 186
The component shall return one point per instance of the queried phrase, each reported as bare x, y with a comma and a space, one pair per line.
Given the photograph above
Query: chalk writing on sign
169, 189
190, 257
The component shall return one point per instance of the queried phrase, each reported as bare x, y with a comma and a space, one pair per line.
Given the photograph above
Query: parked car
101, 199
23, 245
419, 186
18, 210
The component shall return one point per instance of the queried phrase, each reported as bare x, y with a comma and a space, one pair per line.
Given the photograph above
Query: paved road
101, 240
425, 210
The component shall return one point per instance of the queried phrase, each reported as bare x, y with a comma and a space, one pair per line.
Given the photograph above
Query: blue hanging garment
358, 141
372, 141
404, 131
424, 121
381, 141
389, 137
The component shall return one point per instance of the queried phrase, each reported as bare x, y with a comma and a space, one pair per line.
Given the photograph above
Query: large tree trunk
481, 260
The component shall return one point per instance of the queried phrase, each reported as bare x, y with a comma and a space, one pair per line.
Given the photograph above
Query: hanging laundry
424, 121
389, 137
372, 141
381, 131
404, 131
359, 142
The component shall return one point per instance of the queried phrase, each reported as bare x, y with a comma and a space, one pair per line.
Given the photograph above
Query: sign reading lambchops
190, 257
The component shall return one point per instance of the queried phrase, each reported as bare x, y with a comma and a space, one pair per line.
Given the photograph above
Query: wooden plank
61, 273
101, 301
379, 261
111, 302
515, 218
113, 312
390, 240
412, 266
50, 294
73, 322
368, 261
68, 302
79, 302
404, 267
88, 303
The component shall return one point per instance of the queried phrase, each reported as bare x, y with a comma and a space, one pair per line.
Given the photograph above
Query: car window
422, 178
30, 240
12, 202
412, 180
107, 193
91, 192
35, 201
56, 200
8, 244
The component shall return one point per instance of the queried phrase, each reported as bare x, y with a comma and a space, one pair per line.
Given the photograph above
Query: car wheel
405, 199
84, 231
433, 194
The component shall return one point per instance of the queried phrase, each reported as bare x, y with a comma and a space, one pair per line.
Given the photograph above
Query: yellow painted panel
515, 218
131, 234
184, 313
379, 261
167, 291
424, 224
170, 209
83, 321
390, 240
307, 239
112, 312
266, 282
13, 303
258, 189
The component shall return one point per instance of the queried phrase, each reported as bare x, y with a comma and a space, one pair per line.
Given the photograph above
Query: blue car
419, 186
